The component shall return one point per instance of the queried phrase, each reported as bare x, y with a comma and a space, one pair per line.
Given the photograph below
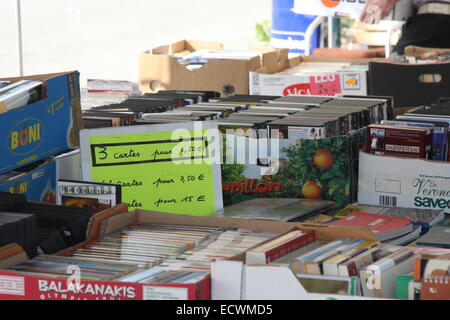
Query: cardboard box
44, 128
287, 170
159, 70
403, 182
409, 84
412, 50
37, 184
38, 181
234, 280
230, 278
25, 287
346, 82
280, 283
348, 8
14, 286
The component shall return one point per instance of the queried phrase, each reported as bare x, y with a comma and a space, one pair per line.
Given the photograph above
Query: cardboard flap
194, 45
94, 225
280, 283
272, 283
343, 60
116, 222
11, 255
253, 64
227, 279
186, 45
411, 50
293, 62
329, 233
167, 48
276, 60
39, 77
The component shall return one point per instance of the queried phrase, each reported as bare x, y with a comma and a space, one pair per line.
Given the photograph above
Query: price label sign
166, 168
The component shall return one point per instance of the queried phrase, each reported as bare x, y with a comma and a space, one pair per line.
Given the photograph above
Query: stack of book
383, 227
58, 267
130, 111
295, 117
401, 141
281, 248
154, 254
20, 93
423, 219
278, 209
434, 118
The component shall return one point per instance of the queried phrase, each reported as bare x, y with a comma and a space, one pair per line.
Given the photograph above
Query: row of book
179, 254
419, 133
16, 94
151, 254
393, 225
357, 267
131, 109
293, 117
399, 226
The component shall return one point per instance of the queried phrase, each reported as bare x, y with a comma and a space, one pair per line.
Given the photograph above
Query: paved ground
102, 38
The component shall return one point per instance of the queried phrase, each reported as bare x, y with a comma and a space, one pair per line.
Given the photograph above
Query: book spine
289, 247
417, 269
352, 269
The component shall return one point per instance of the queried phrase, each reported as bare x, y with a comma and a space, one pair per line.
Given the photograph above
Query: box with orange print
311, 75
321, 168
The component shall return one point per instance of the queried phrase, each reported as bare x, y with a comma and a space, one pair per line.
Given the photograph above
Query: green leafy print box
324, 168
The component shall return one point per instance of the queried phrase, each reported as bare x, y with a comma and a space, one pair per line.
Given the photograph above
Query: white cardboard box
329, 80
403, 182
234, 280
351, 82
280, 283
263, 282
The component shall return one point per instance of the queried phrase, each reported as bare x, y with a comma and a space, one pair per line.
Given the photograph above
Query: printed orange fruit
323, 159
331, 3
311, 190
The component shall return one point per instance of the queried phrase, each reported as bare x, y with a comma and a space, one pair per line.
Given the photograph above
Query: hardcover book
383, 227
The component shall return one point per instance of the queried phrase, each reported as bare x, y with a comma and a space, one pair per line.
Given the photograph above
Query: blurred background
103, 38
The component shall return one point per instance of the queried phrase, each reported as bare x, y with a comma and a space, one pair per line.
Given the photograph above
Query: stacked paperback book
419, 133
149, 254
278, 209
293, 117
18, 94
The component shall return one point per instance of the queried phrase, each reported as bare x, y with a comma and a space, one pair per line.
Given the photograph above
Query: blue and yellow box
45, 127
36, 181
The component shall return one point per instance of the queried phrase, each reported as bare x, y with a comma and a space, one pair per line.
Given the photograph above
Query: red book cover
378, 224
290, 246
352, 270
435, 288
